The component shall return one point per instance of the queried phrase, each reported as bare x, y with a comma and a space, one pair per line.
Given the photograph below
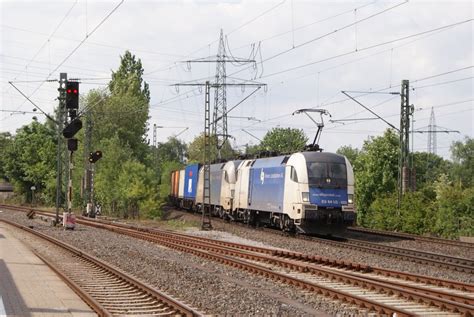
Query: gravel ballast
316, 248
210, 287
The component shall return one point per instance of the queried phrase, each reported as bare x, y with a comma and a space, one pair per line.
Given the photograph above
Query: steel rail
380, 271
89, 300
314, 259
410, 236
439, 260
441, 299
178, 307
204, 243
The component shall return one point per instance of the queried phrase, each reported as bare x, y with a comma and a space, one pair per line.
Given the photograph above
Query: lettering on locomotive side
264, 176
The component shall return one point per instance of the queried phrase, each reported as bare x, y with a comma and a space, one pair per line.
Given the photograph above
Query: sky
306, 52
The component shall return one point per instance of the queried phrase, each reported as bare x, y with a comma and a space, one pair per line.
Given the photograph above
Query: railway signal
72, 95
72, 128
95, 156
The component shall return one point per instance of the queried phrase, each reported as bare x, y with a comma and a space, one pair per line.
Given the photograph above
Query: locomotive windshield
328, 175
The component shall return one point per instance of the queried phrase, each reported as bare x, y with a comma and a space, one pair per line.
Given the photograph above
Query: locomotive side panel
216, 183
229, 179
267, 185
176, 183
190, 181
181, 184
242, 185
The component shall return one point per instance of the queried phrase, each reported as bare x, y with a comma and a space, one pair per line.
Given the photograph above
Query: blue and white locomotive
305, 191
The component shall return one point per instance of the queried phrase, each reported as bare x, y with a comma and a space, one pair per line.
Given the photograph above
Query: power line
312, 23
49, 38
381, 89
257, 17
95, 43
444, 83
325, 35
77, 47
365, 48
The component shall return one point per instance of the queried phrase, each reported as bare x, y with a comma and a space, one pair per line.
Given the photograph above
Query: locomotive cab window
327, 174
293, 174
226, 176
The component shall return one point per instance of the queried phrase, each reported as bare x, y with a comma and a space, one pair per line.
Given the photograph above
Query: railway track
107, 290
373, 289
416, 256
409, 236
420, 257
377, 290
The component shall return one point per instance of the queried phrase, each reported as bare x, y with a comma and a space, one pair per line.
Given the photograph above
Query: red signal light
75, 91
69, 91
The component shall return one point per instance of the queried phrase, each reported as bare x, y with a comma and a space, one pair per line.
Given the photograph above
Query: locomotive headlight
305, 197
350, 198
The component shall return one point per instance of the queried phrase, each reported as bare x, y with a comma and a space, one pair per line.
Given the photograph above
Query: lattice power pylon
433, 130
432, 134
219, 128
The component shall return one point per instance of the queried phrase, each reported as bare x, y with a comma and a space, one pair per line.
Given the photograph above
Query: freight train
304, 191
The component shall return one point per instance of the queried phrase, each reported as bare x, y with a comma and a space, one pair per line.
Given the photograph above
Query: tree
284, 140
128, 80
428, 167
172, 150
454, 209
106, 180
463, 157
349, 152
5, 142
30, 160
196, 150
138, 189
376, 171
123, 111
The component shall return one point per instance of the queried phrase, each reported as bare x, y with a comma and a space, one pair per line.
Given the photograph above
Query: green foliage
284, 140
107, 187
128, 79
348, 151
165, 179
454, 209
412, 216
5, 142
30, 160
123, 111
125, 185
196, 150
428, 167
463, 157
252, 150
172, 150
137, 189
382, 213
376, 169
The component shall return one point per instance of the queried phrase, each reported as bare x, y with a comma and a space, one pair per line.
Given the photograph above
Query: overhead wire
49, 38
346, 99
76, 48
364, 49
317, 38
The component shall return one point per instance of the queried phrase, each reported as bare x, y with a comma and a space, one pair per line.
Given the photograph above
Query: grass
180, 224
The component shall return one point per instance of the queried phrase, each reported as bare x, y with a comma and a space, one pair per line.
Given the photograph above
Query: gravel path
206, 285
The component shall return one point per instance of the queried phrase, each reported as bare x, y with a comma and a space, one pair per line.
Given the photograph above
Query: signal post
90, 208
71, 128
